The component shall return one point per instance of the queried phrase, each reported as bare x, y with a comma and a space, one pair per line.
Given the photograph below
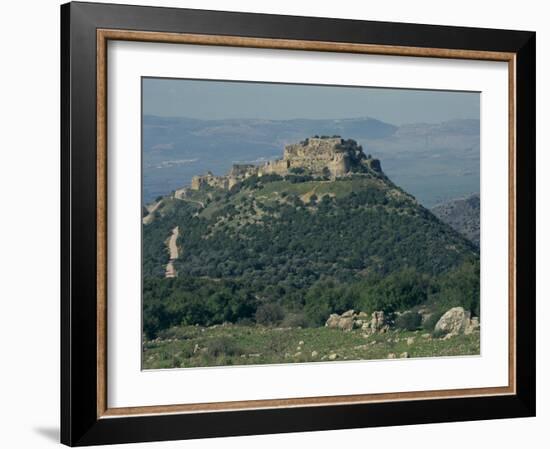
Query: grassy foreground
194, 346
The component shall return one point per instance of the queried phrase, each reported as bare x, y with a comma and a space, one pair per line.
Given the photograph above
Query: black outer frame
79, 423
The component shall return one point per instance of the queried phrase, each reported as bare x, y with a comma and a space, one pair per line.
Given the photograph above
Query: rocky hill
463, 215
319, 231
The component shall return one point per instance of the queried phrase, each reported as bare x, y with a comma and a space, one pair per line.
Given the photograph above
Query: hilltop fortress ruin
329, 157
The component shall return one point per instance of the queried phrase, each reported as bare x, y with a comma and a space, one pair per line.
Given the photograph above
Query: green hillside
292, 249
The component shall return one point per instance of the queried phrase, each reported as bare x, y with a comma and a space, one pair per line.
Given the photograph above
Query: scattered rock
333, 356
196, 348
426, 336
391, 355
376, 323
404, 355
314, 354
300, 343
298, 354
410, 341
472, 326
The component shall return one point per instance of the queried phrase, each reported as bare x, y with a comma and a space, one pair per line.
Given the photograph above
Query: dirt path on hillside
174, 253
200, 203
151, 209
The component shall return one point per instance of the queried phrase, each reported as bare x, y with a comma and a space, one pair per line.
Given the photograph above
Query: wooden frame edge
293, 44
319, 401
103, 36
101, 166
512, 219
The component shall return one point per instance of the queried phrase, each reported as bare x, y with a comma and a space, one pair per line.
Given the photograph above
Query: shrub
313, 199
245, 322
409, 321
400, 290
432, 320
459, 287
269, 314
294, 320
223, 346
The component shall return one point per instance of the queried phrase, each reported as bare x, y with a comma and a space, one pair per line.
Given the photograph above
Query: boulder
336, 321
333, 321
453, 321
348, 314
346, 324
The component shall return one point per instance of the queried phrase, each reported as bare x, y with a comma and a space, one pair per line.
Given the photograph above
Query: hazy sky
226, 99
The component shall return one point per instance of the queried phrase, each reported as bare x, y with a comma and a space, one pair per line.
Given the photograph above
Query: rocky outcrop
456, 321
377, 324
374, 323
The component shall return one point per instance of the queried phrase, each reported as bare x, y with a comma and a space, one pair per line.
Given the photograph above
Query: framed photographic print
277, 224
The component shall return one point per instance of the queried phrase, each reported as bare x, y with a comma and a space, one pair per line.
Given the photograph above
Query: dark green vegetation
192, 346
290, 251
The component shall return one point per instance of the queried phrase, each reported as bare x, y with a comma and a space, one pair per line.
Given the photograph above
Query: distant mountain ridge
463, 215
